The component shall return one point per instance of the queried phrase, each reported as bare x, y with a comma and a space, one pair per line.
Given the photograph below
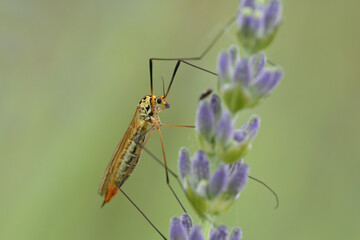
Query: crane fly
145, 121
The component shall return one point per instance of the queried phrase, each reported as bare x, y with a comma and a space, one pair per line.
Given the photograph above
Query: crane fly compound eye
159, 100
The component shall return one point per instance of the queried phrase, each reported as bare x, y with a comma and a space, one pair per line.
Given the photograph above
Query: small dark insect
205, 94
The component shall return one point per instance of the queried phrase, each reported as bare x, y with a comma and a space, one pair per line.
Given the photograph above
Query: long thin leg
143, 147
166, 170
185, 59
162, 164
172, 78
147, 219
172, 125
213, 42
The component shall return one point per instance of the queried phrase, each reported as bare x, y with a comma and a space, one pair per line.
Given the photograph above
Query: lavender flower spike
215, 175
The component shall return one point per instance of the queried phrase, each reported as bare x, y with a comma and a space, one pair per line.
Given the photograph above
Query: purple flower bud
215, 104
259, 23
234, 54
247, 3
273, 15
242, 72
177, 231
240, 136
187, 222
238, 180
248, 130
254, 125
235, 166
200, 167
196, 234
277, 75
236, 234
218, 181
224, 132
263, 82
205, 121
184, 162
223, 65
246, 22
267, 81
258, 61
219, 234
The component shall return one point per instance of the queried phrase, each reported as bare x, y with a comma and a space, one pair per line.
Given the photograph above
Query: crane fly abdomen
130, 157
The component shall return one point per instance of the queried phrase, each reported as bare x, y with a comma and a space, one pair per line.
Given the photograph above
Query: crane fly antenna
269, 188
163, 84
151, 86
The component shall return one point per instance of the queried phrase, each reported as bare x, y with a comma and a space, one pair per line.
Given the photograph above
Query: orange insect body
127, 153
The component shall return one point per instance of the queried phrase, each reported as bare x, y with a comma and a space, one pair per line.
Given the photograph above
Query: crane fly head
160, 104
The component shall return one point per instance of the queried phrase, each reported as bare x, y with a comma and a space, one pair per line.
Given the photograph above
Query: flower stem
206, 226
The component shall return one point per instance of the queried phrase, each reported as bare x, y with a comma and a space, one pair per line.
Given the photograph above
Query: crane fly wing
104, 184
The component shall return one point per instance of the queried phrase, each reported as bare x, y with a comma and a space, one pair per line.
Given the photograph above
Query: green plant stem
206, 226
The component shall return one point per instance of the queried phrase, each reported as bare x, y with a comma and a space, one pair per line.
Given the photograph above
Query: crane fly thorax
146, 111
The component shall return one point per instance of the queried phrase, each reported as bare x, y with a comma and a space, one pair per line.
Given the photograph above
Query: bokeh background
72, 73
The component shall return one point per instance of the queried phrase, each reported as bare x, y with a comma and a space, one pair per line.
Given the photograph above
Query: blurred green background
72, 73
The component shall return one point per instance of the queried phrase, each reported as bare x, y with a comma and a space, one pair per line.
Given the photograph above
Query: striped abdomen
130, 156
